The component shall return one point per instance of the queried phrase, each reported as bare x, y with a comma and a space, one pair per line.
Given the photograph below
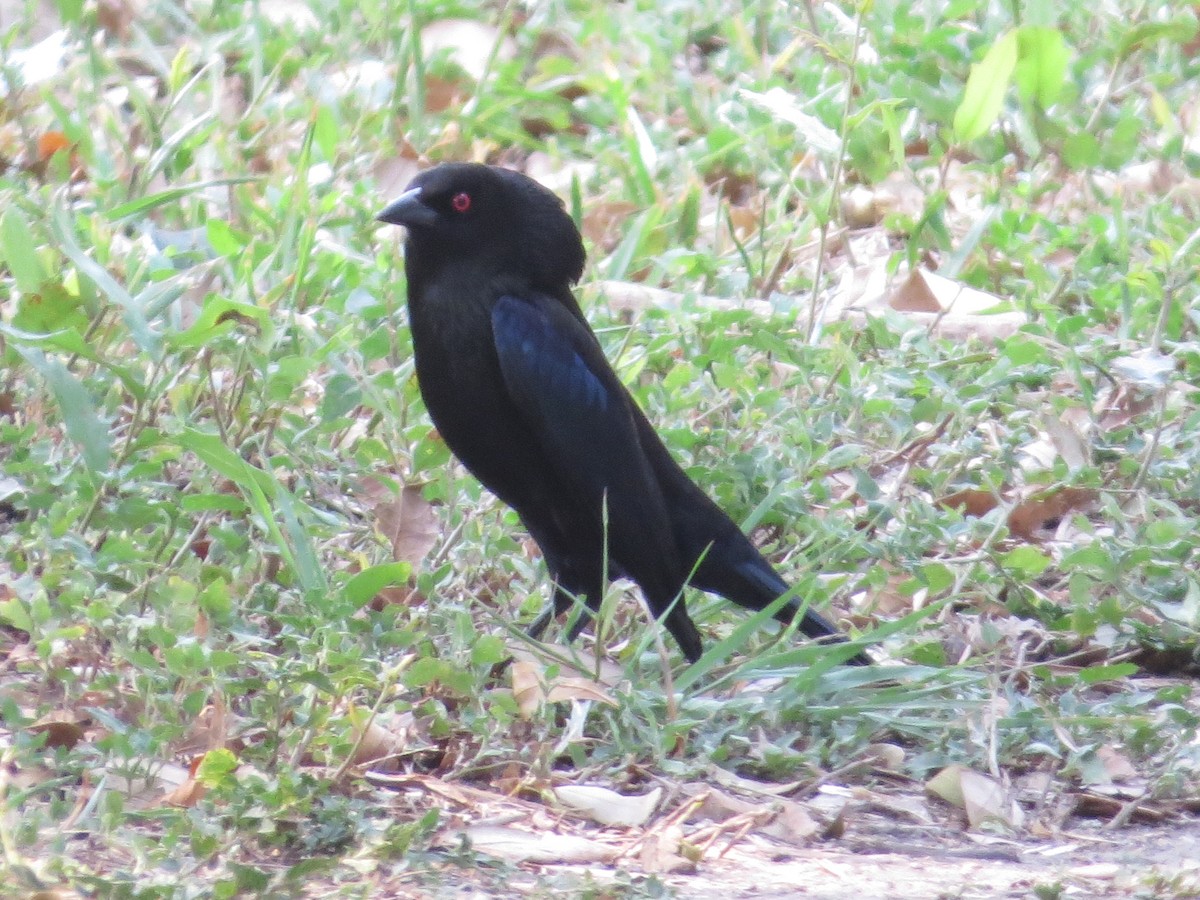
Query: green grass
205, 353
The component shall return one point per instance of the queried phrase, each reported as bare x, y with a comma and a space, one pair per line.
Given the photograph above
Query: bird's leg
562, 601
683, 629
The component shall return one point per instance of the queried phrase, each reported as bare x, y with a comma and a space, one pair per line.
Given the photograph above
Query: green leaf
1026, 559
1115, 672
225, 240
342, 394
84, 426
1041, 64
170, 195
269, 499
326, 134
13, 612
216, 766
1179, 30
488, 650
983, 97
71, 11
51, 309
72, 342
19, 252
360, 589
134, 316
1081, 151
218, 317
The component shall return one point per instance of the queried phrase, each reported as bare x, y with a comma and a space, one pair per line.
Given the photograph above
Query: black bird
519, 388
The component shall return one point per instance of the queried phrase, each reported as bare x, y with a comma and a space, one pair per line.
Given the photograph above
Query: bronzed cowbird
519, 387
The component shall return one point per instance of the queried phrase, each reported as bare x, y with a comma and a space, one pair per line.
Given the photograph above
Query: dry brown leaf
925, 291
526, 677
604, 222
409, 522
210, 729
380, 740
115, 16
531, 690
62, 728
1043, 509
185, 795
394, 173
971, 501
953, 310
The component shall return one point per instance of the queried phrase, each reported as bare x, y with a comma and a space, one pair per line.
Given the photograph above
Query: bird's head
462, 212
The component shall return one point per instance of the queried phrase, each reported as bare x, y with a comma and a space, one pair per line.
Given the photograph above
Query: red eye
461, 202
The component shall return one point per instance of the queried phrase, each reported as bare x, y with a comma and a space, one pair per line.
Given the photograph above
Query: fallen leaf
607, 806
518, 846
409, 522
468, 43
980, 796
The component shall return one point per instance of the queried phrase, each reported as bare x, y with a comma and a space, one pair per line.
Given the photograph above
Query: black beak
408, 210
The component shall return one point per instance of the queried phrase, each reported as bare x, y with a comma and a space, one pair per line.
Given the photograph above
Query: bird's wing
567, 394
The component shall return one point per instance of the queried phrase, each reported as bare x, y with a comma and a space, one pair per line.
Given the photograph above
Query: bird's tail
753, 583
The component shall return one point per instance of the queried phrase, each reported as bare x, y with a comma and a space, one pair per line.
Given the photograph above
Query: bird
518, 386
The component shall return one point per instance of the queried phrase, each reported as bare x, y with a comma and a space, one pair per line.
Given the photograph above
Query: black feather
519, 388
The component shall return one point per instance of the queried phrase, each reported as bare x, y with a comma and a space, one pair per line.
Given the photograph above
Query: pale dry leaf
901, 806
394, 173
526, 679
953, 310
607, 806
531, 690
1116, 764
380, 740
468, 43
611, 674
569, 687
719, 806
925, 291
1148, 369
1068, 435
786, 108
525, 846
793, 824
885, 756
980, 796
947, 784
289, 12
660, 852
858, 207
623, 296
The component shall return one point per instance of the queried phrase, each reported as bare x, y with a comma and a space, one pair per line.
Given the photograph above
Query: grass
207, 413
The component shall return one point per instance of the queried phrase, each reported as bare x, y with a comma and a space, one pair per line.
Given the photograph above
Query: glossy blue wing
567, 395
